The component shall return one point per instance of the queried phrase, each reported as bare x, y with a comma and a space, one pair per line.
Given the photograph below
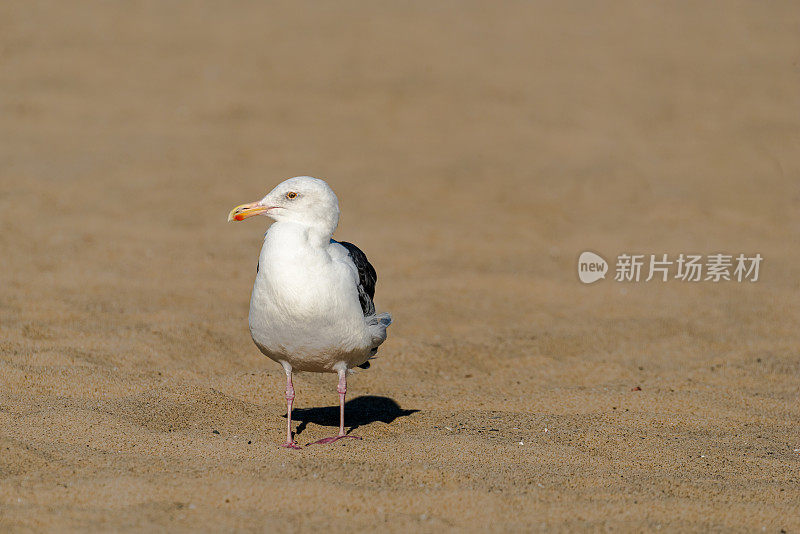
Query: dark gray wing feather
367, 277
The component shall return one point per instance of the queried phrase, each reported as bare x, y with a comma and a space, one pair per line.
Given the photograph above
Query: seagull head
303, 200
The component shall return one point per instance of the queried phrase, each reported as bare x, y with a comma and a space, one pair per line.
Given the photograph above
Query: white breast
304, 309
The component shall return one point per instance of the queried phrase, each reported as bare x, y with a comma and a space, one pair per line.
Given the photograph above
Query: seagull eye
291, 195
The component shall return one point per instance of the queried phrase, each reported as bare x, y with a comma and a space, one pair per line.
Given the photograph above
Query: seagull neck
316, 237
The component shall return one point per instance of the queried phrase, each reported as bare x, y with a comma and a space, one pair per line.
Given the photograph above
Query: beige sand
477, 149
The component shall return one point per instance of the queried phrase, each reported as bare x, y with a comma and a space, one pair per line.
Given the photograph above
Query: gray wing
367, 277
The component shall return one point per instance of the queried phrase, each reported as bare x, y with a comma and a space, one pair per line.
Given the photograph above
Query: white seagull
311, 307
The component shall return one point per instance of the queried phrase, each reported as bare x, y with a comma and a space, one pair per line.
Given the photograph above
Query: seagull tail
378, 324
384, 319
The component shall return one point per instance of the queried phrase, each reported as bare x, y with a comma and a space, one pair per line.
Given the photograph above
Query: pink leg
290, 444
342, 389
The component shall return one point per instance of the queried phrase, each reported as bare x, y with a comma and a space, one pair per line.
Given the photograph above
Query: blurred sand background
477, 148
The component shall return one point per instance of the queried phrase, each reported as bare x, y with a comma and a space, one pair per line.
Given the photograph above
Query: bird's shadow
357, 412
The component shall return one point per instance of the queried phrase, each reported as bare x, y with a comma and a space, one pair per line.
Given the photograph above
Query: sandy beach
477, 149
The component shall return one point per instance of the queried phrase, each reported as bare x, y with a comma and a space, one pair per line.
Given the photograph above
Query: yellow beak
240, 213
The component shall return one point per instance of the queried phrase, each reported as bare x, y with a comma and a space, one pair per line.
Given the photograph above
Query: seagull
311, 308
